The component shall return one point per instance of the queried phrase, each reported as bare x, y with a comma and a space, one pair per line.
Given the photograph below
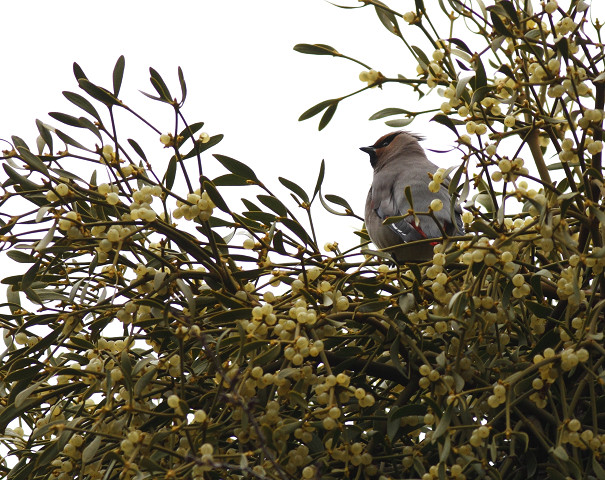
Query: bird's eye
386, 141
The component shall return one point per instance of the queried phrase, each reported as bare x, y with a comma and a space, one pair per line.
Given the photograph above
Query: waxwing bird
399, 161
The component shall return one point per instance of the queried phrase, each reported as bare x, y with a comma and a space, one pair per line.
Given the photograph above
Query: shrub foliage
145, 340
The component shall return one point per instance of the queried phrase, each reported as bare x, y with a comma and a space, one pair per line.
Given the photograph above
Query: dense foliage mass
145, 341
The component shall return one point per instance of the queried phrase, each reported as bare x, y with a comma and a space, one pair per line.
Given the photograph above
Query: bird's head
392, 147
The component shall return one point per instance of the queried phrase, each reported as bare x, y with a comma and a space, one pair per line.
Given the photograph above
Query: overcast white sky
243, 76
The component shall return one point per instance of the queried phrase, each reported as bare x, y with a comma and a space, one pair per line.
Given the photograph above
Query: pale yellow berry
113, 198
505, 165
207, 449
463, 111
490, 149
574, 425
383, 268
199, 416
464, 139
595, 147
409, 16
438, 55
499, 390
434, 186
550, 7
481, 129
509, 121
582, 355
436, 205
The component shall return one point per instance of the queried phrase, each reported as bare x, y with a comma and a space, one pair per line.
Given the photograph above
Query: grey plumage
399, 162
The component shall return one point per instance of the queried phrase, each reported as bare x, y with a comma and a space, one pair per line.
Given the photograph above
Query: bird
399, 161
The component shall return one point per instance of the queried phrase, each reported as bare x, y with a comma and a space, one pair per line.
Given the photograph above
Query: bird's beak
371, 151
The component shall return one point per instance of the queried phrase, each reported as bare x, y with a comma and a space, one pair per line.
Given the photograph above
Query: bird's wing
387, 202
457, 227
422, 226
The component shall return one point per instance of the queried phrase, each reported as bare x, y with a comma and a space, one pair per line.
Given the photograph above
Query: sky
244, 80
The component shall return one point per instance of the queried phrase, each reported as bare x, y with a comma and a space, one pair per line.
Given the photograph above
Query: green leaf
373, 306
444, 423
18, 142
170, 174
499, 24
327, 116
480, 79
560, 453
316, 49
455, 181
118, 75
480, 94
137, 148
479, 226
24, 182
30, 275
461, 85
32, 160
230, 180
78, 72
563, 47
183, 85
268, 356
278, 242
339, 201
260, 216
66, 119
159, 85
421, 57
458, 303
408, 195
20, 257
316, 109
386, 17
320, 178
202, 147
80, 101
297, 229
295, 188
190, 130
460, 44
402, 122
541, 311
393, 425
511, 12
250, 206
598, 213
86, 123
98, 93
387, 112
274, 204
45, 134
237, 167
70, 141
446, 121
598, 468
216, 197
91, 449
